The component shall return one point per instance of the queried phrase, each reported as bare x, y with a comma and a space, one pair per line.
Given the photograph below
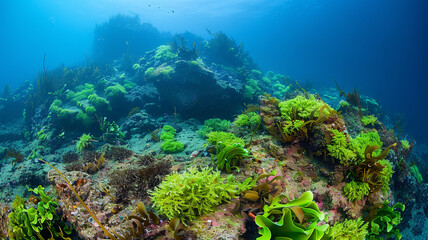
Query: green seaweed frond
369, 120
339, 148
356, 190
350, 229
193, 193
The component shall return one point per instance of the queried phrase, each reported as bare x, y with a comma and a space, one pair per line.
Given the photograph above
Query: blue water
379, 47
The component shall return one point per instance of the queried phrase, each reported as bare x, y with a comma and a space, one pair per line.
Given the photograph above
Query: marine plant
251, 88
350, 229
15, 155
99, 103
405, 144
175, 229
223, 50
359, 144
370, 170
299, 115
301, 108
193, 193
262, 190
339, 148
213, 124
147, 172
111, 131
169, 144
84, 142
27, 222
164, 54
229, 156
80, 93
116, 91
250, 119
299, 220
385, 174
415, 172
343, 103
225, 138
128, 85
384, 221
118, 153
356, 190
368, 120
172, 146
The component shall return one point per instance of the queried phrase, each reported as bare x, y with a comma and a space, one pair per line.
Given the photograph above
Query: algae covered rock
194, 91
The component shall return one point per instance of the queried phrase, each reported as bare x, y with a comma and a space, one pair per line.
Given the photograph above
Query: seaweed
70, 157
352, 98
370, 170
118, 153
263, 192
299, 220
148, 173
140, 219
383, 221
16, 155
155, 134
229, 156
92, 167
175, 229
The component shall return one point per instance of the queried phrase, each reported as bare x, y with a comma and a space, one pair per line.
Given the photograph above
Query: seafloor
213, 147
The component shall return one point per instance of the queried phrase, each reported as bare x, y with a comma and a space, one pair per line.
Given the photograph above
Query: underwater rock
140, 122
142, 96
195, 92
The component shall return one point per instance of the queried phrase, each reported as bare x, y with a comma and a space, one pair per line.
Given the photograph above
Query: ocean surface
120, 71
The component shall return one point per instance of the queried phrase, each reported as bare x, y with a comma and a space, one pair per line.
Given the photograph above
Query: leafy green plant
250, 119
339, 148
27, 222
405, 144
225, 138
386, 174
110, 129
356, 190
172, 146
384, 221
85, 141
213, 124
169, 143
299, 220
415, 172
301, 108
262, 191
350, 229
228, 156
359, 144
370, 170
193, 193
116, 91
369, 120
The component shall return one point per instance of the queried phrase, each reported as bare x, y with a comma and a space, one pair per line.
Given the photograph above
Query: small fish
194, 154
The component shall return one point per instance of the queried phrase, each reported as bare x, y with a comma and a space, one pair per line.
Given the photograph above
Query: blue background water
379, 47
